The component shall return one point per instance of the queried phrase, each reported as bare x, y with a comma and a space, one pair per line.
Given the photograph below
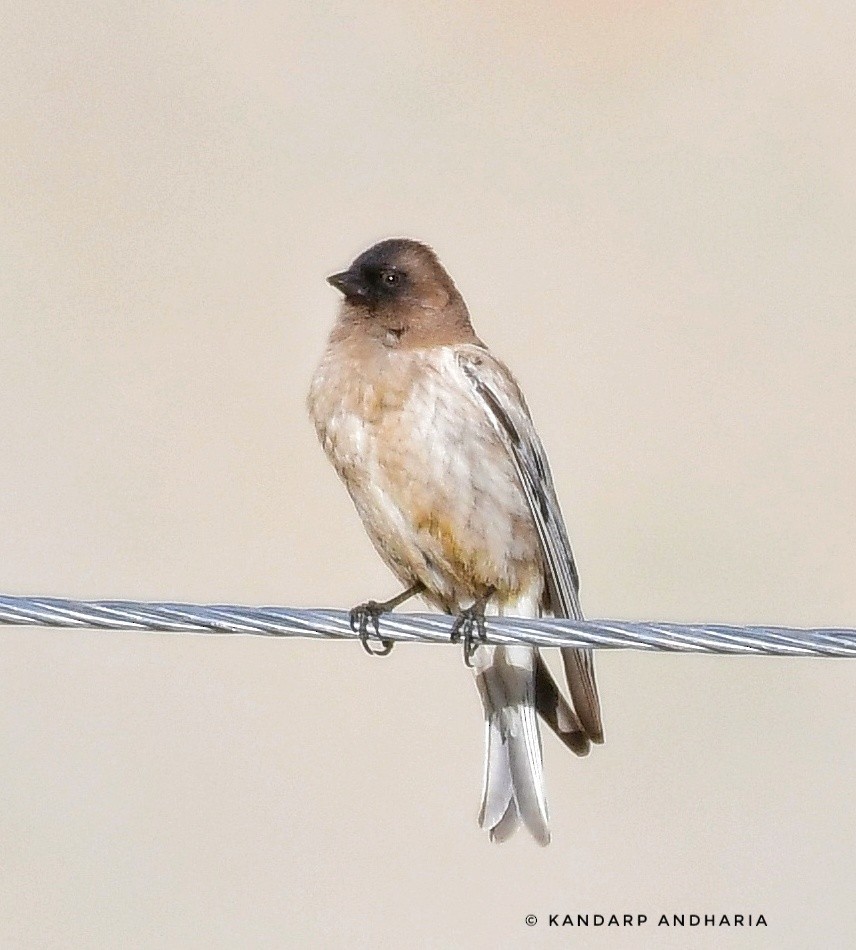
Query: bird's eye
390, 278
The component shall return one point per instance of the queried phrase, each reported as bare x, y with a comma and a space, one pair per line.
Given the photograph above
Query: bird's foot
370, 613
469, 627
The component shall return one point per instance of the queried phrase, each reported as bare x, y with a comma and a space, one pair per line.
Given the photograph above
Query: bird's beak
351, 285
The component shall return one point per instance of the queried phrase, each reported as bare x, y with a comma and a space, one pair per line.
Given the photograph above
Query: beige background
650, 209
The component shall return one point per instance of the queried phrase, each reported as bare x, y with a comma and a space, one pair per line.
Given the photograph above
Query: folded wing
505, 407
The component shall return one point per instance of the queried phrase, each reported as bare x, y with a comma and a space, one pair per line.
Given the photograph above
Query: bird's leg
371, 611
469, 626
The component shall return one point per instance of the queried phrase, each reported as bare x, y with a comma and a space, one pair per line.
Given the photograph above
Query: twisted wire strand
166, 617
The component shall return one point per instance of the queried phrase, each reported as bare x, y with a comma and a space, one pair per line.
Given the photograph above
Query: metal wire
424, 628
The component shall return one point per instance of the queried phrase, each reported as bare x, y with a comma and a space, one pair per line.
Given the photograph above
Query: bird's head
394, 274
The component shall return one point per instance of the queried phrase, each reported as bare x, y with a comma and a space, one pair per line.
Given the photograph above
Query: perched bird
433, 439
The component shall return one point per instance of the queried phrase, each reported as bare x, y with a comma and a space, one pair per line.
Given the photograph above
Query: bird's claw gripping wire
359, 618
469, 627
373, 610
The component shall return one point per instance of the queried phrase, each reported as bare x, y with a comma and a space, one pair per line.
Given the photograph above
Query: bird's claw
469, 630
359, 618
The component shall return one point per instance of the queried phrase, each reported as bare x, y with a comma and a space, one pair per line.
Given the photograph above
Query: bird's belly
438, 495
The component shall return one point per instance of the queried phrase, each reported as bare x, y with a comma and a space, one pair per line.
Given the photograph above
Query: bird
433, 439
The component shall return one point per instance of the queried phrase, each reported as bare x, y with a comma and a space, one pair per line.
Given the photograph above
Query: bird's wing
505, 407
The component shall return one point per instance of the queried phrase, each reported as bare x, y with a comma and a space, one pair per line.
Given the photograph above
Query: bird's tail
514, 771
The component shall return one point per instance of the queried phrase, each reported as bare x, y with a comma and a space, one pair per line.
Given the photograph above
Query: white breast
434, 488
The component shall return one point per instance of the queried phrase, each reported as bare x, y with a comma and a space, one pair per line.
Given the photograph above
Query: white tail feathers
514, 771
